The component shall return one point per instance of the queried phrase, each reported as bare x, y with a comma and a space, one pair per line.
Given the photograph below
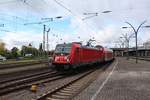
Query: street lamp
94, 14
51, 18
136, 32
1, 25
147, 26
107, 11
58, 17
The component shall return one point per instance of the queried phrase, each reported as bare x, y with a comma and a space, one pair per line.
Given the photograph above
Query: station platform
123, 80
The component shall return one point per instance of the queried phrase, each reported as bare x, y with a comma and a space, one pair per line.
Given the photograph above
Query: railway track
10, 74
23, 82
15, 65
72, 87
72, 84
22, 77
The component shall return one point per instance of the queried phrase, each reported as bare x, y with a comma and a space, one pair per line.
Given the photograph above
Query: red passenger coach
74, 55
108, 54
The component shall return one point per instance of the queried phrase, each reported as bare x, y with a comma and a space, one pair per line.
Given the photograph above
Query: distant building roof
121, 49
146, 45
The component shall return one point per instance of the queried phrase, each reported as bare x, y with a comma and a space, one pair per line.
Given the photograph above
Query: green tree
4, 51
15, 52
23, 50
40, 49
2, 48
29, 50
8, 54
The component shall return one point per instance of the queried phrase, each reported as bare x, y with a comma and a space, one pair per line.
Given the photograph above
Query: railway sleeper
60, 96
73, 87
63, 93
69, 89
68, 92
49, 98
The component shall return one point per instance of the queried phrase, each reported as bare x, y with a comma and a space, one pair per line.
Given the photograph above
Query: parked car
2, 58
28, 55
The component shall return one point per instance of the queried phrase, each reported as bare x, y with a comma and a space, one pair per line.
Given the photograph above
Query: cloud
105, 28
21, 38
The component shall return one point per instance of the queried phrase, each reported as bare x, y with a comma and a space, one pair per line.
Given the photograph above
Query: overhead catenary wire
89, 17
26, 2
14, 23
13, 16
65, 7
8, 2
27, 21
77, 17
11, 20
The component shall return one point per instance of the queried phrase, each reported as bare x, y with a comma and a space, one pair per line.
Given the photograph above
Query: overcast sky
104, 28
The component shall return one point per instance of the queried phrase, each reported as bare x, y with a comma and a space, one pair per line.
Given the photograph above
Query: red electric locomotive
74, 55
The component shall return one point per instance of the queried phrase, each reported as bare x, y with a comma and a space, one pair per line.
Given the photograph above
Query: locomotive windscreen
63, 48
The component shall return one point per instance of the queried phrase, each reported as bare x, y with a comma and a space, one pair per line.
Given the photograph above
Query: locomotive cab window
63, 49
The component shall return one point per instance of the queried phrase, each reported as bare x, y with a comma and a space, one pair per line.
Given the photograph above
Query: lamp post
47, 31
44, 30
136, 32
48, 39
44, 20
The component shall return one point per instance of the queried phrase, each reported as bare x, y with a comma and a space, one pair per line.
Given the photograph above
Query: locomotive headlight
56, 58
67, 58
